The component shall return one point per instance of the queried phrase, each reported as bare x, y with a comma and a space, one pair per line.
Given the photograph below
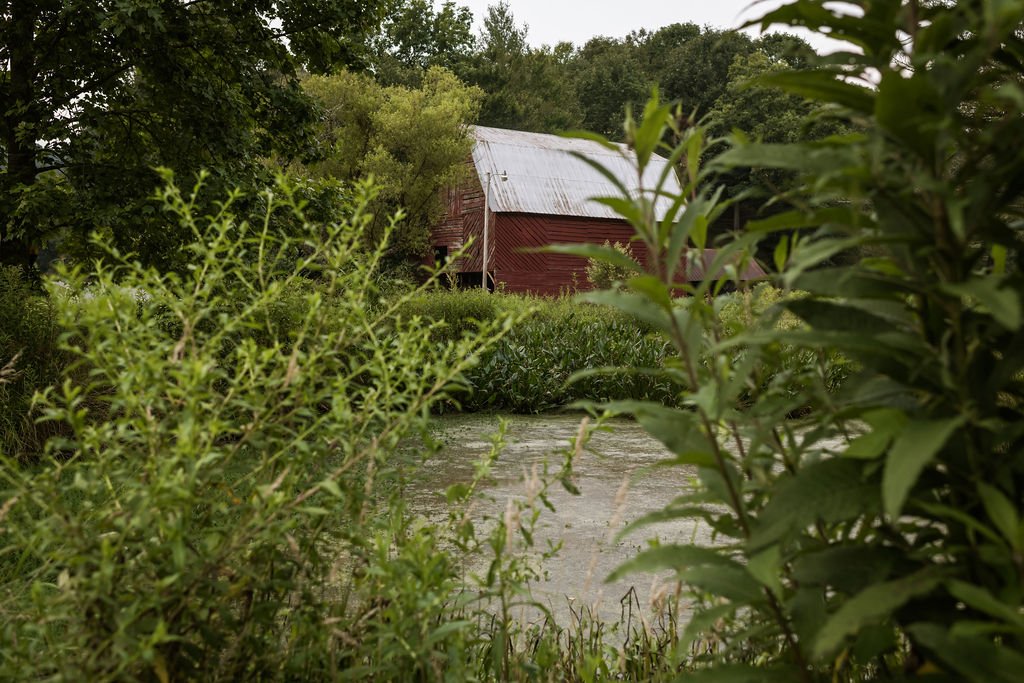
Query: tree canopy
97, 93
415, 37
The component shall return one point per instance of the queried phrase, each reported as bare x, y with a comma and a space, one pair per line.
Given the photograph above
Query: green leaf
796, 218
780, 254
1003, 303
630, 209
975, 658
998, 259
445, 630
672, 557
826, 315
1002, 512
592, 137
331, 487
694, 147
683, 228
611, 177
980, 599
653, 288
812, 158
823, 86
940, 511
597, 252
885, 424
873, 605
456, 492
831, 490
766, 568
847, 568
699, 234
677, 429
729, 582
667, 514
914, 126
850, 282
633, 304
704, 620
915, 447
648, 135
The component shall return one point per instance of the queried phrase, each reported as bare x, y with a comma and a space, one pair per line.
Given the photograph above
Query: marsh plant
881, 537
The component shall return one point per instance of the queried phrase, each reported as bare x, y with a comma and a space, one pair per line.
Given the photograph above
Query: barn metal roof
544, 177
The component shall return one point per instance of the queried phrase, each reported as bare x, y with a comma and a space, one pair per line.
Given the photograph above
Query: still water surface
585, 524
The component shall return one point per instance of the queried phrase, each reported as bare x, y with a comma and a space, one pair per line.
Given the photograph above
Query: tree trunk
20, 125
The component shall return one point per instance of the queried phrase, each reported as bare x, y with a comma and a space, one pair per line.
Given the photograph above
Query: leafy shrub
882, 538
603, 274
529, 371
563, 350
219, 514
788, 367
456, 312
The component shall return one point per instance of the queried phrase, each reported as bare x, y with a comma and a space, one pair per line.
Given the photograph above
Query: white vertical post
487, 208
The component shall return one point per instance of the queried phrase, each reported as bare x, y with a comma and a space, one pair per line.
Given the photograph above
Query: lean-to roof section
545, 178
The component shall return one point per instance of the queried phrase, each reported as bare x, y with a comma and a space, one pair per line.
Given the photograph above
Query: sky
552, 21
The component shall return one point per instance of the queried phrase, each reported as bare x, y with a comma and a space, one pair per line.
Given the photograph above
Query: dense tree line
96, 95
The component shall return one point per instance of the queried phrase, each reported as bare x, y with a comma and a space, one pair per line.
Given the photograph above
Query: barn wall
549, 273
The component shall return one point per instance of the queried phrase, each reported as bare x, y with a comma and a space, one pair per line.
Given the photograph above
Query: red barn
535, 193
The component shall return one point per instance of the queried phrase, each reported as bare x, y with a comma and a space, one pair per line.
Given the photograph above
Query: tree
97, 93
526, 89
497, 67
412, 141
770, 115
415, 37
609, 75
695, 70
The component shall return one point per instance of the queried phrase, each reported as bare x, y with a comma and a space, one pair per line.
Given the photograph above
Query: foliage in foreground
216, 484
884, 538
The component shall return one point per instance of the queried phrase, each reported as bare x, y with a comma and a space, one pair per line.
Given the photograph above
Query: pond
617, 485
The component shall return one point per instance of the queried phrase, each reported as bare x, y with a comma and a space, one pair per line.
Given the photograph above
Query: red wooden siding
520, 271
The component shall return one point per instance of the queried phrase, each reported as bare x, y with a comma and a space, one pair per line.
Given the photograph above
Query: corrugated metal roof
544, 177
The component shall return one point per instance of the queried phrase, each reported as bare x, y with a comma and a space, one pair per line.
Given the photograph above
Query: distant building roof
545, 178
